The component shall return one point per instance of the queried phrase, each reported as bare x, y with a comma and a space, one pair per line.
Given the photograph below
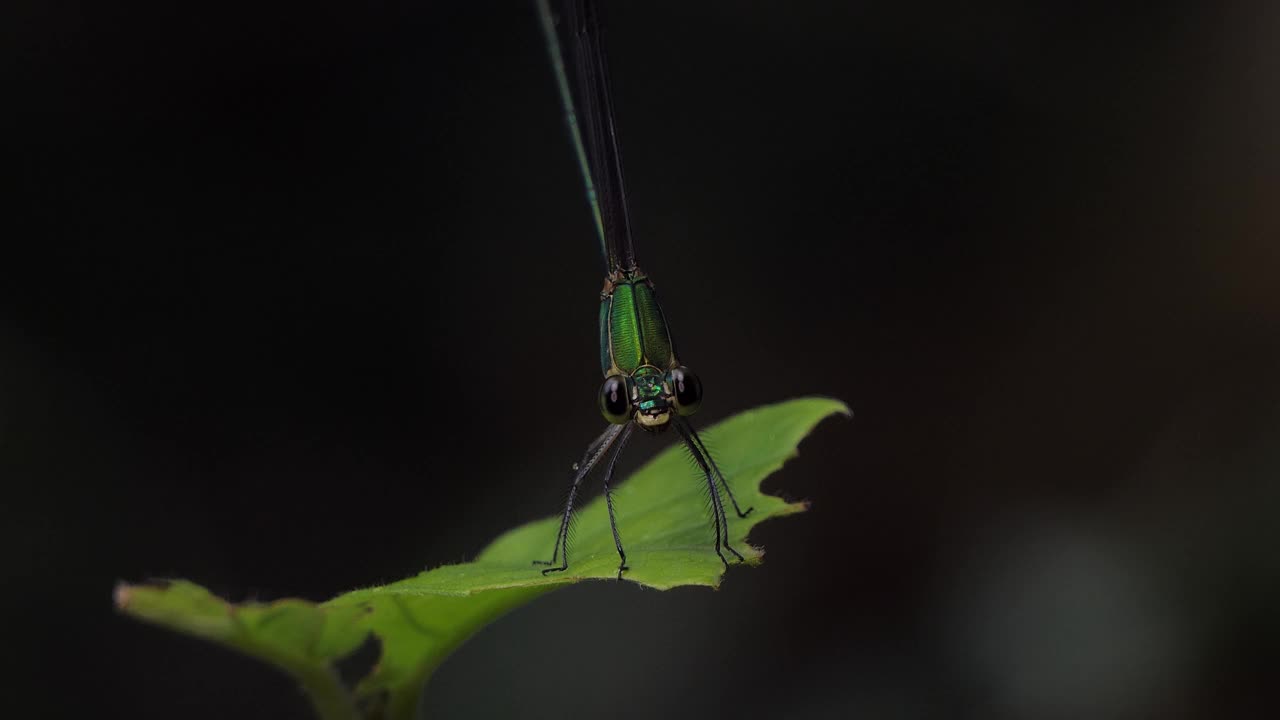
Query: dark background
281, 280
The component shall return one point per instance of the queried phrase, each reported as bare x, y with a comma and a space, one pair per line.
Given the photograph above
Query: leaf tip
121, 595
837, 405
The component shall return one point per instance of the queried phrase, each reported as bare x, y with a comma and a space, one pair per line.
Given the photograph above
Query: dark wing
588, 110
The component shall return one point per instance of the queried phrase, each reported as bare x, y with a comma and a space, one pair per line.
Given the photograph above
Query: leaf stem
328, 695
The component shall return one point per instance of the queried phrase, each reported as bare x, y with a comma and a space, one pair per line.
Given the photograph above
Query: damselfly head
649, 396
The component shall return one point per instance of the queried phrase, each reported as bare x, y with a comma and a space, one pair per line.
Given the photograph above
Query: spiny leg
716, 468
608, 497
704, 460
717, 505
594, 451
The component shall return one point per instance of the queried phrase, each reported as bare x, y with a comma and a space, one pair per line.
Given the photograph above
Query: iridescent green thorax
633, 331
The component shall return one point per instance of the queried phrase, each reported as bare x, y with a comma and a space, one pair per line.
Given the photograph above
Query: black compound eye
688, 390
615, 400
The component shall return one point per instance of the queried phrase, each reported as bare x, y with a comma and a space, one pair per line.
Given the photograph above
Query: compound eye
615, 400
688, 390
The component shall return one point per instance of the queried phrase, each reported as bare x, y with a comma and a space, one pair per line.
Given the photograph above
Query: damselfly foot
563, 565
724, 560
562, 568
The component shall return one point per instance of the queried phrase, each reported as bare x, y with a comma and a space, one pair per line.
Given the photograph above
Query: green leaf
665, 528
299, 637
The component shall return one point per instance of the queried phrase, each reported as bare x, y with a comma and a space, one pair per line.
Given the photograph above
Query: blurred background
278, 278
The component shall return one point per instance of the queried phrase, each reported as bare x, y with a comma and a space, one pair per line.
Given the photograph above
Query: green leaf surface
665, 526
